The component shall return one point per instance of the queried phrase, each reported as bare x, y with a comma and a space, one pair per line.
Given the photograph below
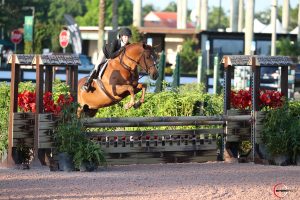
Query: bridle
147, 68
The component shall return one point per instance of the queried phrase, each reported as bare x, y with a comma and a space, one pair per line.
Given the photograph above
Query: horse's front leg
143, 87
120, 89
139, 87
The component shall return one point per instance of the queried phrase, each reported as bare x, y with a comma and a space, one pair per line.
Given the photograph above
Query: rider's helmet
125, 31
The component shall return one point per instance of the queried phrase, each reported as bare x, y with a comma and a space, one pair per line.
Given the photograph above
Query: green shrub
4, 115
70, 138
187, 100
189, 57
281, 130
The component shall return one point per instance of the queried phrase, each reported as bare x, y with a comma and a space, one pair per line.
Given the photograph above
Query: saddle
101, 68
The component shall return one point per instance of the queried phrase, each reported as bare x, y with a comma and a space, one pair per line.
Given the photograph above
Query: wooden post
284, 81
255, 84
74, 82
39, 107
227, 86
15, 79
68, 75
48, 78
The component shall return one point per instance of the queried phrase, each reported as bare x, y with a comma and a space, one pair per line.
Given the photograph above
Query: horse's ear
144, 45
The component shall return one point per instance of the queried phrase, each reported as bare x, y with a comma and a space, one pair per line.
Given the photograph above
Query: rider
109, 51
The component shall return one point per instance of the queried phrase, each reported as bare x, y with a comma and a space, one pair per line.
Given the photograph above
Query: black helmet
125, 31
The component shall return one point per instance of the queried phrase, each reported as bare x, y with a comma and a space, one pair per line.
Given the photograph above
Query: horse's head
143, 55
148, 61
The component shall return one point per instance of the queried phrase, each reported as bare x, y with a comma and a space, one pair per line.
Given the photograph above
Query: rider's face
125, 39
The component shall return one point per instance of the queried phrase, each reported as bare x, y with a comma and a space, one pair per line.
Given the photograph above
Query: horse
119, 80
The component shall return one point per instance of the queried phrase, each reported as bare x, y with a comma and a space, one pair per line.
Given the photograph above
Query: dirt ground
214, 180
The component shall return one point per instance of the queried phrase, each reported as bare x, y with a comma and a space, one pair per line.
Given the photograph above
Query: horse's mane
144, 46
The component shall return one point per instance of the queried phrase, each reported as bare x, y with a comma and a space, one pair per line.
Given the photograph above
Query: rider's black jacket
113, 49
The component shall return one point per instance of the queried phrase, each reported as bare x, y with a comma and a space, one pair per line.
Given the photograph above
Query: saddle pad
103, 68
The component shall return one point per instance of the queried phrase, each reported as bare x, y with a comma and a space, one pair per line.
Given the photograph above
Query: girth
100, 83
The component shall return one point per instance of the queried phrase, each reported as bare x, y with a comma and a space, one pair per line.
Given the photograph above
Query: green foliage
28, 47
60, 7
287, 48
217, 19
90, 18
59, 87
263, 16
171, 7
189, 57
90, 152
281, 130
70, 138
4, 115
245, 147
182, 102
147, 8
28, 85
136, 35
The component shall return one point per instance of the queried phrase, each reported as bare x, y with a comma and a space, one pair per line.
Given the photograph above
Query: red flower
26, 102
268, 99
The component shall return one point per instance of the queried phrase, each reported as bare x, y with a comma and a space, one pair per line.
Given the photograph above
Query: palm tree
115, 15
101, 23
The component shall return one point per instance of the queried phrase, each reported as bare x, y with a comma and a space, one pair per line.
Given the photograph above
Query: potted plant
88, 156
78, 150
67, 136
279, 129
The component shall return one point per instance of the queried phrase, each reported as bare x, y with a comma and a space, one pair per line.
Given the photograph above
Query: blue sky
260, 5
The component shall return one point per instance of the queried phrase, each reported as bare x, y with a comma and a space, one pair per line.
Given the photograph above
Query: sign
64, 37
28, 28
16, 36
74, 34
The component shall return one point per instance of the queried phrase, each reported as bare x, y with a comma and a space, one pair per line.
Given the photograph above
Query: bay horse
119, 80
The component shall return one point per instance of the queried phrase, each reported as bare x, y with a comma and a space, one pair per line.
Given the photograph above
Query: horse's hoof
128, 105
137, 104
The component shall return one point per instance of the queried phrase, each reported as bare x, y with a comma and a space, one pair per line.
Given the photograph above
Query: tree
147, 8
287, 48
136, 35
90, 18
263, 16
217, 19
189, 57
171, 7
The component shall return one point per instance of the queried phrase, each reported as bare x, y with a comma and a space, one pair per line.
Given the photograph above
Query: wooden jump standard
27, 125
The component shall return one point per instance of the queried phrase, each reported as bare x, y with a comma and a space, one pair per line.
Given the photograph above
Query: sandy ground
215, 180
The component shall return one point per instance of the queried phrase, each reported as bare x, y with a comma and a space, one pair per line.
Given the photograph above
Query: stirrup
86, 87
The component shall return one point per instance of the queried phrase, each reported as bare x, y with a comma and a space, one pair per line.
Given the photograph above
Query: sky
260, 5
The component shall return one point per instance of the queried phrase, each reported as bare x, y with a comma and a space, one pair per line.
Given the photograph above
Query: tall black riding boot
89, 80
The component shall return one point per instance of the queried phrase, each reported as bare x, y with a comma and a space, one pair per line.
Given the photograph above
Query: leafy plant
70, 138
281, 131
189, 56
4, 116
89, 152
